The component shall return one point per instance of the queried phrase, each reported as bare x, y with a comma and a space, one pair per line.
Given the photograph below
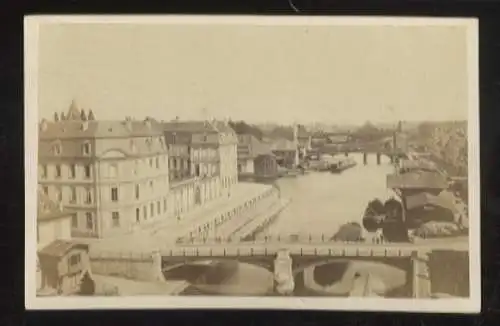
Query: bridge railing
292, 238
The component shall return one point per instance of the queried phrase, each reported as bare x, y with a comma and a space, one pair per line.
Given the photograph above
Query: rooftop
59, 248
417, 180
77, 123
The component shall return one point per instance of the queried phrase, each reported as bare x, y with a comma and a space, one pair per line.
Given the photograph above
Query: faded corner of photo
223, 162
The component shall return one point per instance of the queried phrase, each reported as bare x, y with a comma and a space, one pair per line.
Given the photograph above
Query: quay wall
129, 265
231, 212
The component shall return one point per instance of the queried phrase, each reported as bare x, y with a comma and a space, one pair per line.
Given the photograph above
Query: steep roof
255, 147
443, 200
283, 145
59, 248
99, 129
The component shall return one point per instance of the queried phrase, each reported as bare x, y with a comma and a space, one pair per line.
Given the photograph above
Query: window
164, 204
72, 171
137, 193
157, 162
151, 162
113, 170
116, 219
72, 198
114, 194
87, 171
136, 167
43, 170
158, 207
74, 260
137, 214
45, 190
197, 170
152, 206
90, 221
58, 171
88, 196
151, 185
132, 146
145, 212
86, 149
58, 195
74, 221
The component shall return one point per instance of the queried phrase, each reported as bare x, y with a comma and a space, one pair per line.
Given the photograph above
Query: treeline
243, 128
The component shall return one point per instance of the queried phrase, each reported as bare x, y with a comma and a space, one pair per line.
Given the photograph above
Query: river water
320, 203
323, 201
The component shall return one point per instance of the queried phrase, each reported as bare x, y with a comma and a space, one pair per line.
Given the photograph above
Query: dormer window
43, 125
86, 148
57, 149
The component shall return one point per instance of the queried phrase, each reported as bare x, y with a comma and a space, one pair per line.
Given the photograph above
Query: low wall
135, 266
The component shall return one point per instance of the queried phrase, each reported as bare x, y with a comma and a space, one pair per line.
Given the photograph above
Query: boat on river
342, 164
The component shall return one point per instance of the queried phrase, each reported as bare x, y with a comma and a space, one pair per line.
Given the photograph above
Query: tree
63, 116
242, 128
56, 117
425, 130
83, 116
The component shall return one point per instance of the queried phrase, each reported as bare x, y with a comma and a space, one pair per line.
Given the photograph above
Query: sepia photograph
320, 163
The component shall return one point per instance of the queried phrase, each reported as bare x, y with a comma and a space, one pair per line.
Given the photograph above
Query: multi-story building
249, 147
203, 160
113, 174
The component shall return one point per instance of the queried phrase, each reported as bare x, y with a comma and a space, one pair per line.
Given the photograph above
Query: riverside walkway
157, 233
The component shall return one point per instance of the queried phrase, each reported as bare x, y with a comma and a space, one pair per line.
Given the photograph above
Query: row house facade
202, 161
113, 174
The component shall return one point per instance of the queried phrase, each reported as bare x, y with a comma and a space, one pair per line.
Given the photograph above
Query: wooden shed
63, 264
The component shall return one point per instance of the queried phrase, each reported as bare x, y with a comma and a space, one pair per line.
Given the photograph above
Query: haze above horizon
260, 74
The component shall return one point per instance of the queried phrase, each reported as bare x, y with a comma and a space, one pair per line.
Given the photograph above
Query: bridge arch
171, 263
301, 263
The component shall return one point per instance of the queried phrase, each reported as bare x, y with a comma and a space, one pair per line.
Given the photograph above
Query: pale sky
329, 74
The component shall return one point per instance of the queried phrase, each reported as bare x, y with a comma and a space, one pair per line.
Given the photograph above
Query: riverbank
195, 224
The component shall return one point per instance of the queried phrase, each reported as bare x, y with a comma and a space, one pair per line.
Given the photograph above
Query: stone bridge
304, 256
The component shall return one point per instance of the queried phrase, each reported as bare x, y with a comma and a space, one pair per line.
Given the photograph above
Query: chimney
128, 122
43, 125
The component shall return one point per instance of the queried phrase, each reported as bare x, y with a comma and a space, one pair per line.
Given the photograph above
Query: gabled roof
418, 165
417, 180
59, 248
442, 200
254, 146
283, 145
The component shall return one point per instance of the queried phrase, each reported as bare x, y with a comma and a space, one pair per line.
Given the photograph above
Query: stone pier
421, 286
283, 276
